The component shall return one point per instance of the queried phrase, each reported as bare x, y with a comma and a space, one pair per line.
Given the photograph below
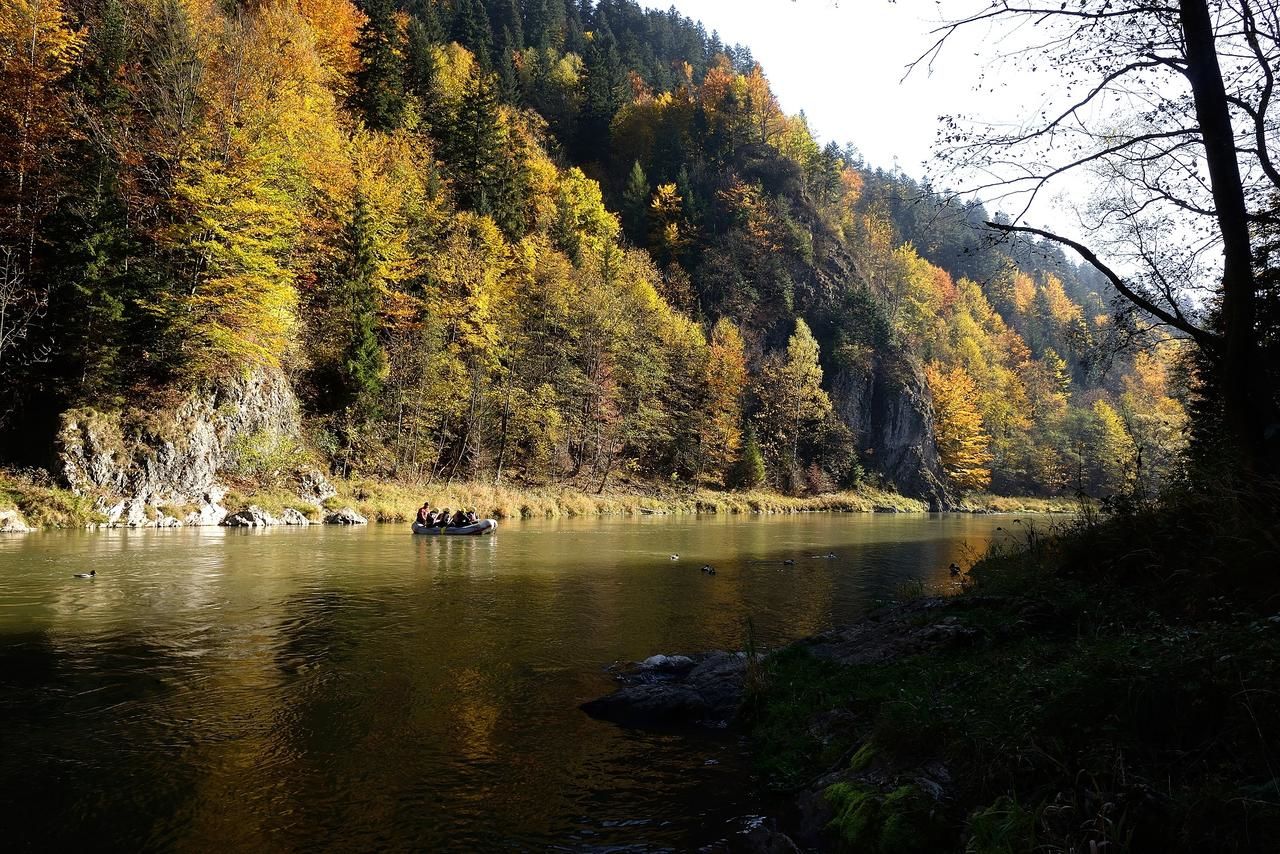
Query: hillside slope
540, 241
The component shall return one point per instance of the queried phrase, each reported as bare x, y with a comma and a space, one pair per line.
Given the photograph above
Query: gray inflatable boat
484, 526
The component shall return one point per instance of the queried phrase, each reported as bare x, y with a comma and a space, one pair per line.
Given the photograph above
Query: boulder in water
676, 690
294, 518
252, 516
11, 522
345, 516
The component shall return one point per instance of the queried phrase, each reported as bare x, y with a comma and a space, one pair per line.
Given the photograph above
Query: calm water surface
361, 689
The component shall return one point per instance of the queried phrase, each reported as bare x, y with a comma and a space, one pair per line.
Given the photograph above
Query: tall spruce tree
604, 92
544, 23
364, 362
471, 145
420, 67
635, 204
471, 30
379, 91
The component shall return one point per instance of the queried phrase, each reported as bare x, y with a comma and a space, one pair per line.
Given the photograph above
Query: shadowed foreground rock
676, 690
706, 689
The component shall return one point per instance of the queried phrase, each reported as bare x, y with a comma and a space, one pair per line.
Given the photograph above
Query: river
361, 689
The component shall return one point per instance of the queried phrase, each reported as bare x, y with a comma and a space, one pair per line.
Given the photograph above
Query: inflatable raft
484, 526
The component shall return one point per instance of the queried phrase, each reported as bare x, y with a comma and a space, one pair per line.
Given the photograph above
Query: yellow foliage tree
720, 429
38, 48
963, 444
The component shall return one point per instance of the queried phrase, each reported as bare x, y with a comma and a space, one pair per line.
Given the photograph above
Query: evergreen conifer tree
420, 69
471, 30
380, 82
364, 362
604, 91
635, 204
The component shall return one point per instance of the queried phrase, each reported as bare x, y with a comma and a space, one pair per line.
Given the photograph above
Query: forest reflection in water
360, 689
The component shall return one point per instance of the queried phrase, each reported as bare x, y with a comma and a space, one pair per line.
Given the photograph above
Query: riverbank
1110, 688
43, 504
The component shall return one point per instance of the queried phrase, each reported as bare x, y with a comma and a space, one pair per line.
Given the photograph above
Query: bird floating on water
708, 569
788, 562
954, 568
90, 574
675, 557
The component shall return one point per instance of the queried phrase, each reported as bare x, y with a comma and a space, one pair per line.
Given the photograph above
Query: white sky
842, 64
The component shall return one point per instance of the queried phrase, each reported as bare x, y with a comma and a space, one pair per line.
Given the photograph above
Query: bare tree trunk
1243, 392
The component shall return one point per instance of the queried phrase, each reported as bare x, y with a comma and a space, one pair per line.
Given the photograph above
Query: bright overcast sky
842, 63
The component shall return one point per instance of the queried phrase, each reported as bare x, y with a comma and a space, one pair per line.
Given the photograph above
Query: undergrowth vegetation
1119, 693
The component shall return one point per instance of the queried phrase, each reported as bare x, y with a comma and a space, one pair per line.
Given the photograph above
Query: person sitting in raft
442, 518
459, 519
426, 516
472, 518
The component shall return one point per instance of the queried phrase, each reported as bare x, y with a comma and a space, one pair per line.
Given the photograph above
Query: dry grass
983, 502
397, 502
44, 505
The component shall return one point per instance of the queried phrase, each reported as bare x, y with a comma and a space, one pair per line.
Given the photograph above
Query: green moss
1004, 827
864, 757
898, 822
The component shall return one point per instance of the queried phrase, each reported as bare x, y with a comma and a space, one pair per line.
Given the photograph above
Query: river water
365, 689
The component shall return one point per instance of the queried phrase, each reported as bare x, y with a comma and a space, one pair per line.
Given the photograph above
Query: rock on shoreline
676, 690
708, 689
11, 522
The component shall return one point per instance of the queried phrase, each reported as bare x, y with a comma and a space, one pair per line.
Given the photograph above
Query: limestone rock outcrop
172, 456
11, 522
294, 518
886, 405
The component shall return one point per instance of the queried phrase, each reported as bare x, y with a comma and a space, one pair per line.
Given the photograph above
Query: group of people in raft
441, 518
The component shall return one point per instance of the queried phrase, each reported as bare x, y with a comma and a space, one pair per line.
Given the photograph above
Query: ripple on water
364, 689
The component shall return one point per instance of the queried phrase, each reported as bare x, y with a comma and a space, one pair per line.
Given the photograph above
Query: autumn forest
540, 241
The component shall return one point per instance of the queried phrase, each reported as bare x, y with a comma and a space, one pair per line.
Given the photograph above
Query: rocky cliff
138, 460
886, 404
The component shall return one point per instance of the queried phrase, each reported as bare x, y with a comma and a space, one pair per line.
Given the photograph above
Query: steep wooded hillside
538, 240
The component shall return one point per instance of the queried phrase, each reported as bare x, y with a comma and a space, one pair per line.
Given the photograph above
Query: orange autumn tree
38, 49
963, 444
720, 432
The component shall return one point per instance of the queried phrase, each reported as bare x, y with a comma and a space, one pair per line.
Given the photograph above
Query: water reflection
363, 689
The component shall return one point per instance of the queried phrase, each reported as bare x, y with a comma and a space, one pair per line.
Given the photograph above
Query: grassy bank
1115, 690
986, 503
44, 505
397, 502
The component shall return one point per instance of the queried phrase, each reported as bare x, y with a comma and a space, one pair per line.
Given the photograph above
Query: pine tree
419, 59
749, 471
471, 30
505, 15
508, 83
635, 204
544, 24
604, 92
424, 11
471, 142
380, 82
364, 362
